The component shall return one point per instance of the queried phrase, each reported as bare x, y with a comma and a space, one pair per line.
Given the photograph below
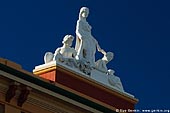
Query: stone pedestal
78, 83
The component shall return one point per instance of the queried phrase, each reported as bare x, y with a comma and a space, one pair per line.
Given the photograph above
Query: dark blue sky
138, 32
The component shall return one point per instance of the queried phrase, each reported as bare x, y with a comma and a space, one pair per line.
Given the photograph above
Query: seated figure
67, 52
101, 63
114, 80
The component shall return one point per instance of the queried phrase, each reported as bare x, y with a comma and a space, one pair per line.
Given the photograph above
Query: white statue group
82, 56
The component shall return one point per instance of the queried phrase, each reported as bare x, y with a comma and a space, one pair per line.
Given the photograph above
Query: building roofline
22, 74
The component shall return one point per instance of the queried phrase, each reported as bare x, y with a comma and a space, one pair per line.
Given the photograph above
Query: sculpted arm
99, 48
57, 51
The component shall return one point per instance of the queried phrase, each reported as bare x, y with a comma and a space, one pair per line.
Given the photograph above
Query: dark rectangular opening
2, 108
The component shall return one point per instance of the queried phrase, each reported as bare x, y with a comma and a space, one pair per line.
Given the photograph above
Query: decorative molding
11, 91
31, 100
44, 105
49, 92
25, 91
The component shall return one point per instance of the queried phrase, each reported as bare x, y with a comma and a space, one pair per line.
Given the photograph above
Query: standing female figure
86, 44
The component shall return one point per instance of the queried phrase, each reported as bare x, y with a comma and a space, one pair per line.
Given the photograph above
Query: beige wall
10, 109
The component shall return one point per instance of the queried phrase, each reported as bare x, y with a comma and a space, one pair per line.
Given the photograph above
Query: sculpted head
84, 12
108, 56
68, 39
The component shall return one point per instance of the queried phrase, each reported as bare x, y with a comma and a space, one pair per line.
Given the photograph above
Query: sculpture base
86, 86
